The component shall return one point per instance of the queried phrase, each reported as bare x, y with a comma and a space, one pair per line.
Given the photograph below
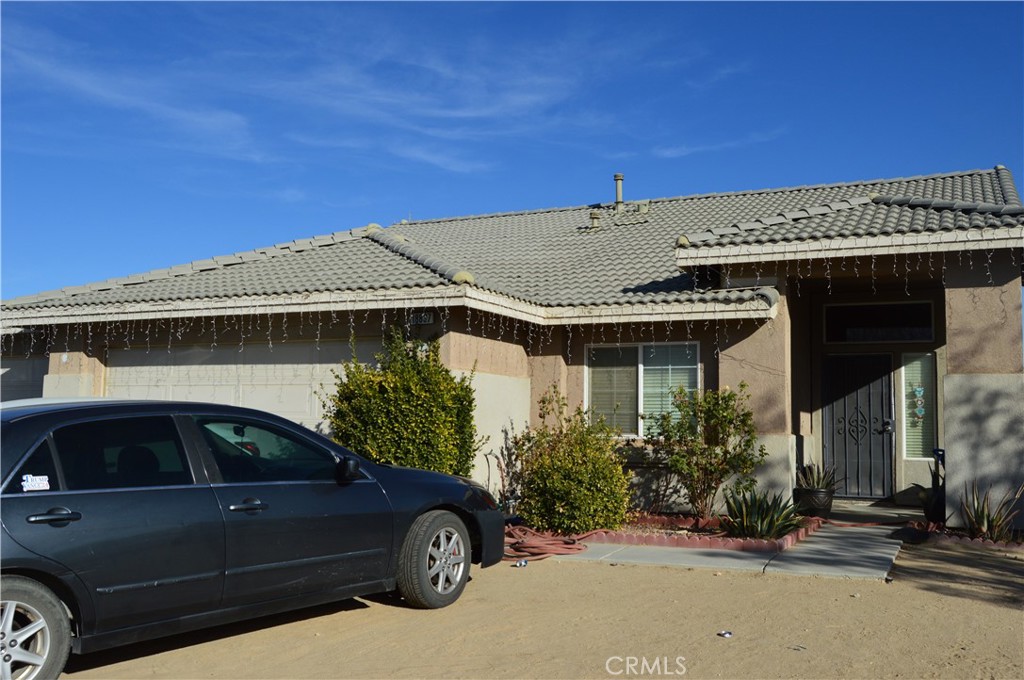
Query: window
124, 452
37, 473
891, 322
627, 381
246, 452
919, 405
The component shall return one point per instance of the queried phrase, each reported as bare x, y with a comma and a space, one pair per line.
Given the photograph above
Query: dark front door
858, 423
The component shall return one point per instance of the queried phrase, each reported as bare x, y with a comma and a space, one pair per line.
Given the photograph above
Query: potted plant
815, 489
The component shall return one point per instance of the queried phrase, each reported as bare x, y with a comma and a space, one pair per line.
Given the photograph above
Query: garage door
22, 377
286, 380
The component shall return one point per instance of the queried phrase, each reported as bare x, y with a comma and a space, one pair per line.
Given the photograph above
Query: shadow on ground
983, 574
142, 649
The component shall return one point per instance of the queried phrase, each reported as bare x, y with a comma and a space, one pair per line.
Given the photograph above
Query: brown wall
760, 357
983, 314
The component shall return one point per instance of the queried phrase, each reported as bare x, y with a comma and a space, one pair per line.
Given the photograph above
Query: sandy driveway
950, 612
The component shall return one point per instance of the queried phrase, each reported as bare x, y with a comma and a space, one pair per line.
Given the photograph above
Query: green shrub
570, 478
409, 410
756, 515
984, 520
709, 438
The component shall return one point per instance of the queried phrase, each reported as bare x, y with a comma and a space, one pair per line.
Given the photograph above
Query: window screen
632, 380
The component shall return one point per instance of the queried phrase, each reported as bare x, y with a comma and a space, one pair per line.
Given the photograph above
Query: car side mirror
348, 469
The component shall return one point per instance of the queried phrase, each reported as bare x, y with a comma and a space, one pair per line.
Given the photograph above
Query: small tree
569, 474
709, 438
409, 410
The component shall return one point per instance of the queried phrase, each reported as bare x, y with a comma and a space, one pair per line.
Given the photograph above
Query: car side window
250, 452
37, 473
122, 453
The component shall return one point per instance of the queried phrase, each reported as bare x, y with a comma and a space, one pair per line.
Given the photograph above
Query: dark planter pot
813, 502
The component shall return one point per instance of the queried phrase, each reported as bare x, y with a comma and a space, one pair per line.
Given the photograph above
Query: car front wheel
35, 636
433, 566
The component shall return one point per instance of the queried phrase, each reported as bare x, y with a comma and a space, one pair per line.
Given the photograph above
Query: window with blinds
627, 381
920, 434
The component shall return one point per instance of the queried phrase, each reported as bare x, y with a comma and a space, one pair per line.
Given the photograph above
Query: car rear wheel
433, 566
35, 635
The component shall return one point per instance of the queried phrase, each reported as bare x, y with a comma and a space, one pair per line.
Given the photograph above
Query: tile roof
580, 256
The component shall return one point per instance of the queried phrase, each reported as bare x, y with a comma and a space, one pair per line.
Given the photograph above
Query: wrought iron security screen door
857, 420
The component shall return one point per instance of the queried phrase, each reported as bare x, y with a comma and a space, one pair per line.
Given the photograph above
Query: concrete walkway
833, 550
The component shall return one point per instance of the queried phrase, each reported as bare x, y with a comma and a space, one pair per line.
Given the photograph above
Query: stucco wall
502, 387
983, 316
984, 425
759, 355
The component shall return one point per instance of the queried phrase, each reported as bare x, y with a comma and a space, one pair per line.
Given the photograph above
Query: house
873, 321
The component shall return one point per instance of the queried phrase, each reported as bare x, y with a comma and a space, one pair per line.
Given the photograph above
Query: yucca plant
756, 515
812, 476
985, 520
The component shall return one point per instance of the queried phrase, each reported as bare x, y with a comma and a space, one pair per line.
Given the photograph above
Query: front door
858, 423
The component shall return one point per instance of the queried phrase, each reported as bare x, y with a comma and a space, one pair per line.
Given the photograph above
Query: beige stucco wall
75, 372
983, 389
983, 315
760, 356
502, 387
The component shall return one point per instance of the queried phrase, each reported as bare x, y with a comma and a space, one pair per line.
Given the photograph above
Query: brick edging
811, 525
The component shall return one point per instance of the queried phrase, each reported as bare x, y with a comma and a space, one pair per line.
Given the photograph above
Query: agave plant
812, 476
756, 515
985, 520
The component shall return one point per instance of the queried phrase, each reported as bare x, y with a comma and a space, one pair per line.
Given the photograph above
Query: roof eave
761, 305
865, 246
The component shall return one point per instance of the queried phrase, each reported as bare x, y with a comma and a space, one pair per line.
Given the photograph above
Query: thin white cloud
717, 75
437, 158
748, 140
207, 129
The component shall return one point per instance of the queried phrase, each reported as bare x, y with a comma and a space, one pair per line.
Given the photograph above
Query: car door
290, 527
115, 501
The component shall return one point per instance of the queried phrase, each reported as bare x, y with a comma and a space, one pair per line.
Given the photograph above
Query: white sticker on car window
35, 482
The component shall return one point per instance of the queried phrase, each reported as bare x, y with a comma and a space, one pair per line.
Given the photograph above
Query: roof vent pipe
618, 192
595, 219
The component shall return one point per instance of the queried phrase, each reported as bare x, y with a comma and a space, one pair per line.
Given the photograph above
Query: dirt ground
950, 612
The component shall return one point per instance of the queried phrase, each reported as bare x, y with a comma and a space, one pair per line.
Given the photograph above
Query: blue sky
143, 135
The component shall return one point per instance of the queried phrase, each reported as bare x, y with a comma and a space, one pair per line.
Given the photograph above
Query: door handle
249, 505
886, 426
57, 517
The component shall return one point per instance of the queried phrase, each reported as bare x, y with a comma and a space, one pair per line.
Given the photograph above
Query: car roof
21, 408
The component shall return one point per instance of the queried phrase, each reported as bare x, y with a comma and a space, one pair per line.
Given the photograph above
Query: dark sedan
129, 520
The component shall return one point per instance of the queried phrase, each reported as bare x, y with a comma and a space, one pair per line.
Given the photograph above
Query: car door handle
55, 517
249, 505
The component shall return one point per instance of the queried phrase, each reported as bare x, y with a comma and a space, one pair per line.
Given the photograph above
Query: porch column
75, 372
761, 358
548, 367
983, 389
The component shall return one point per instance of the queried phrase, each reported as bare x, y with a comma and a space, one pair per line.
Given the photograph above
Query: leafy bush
571, 478
409, 410
708, 439
985, 520
754, 515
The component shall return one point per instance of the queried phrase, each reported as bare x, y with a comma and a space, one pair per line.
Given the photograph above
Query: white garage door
22, 377
286, 380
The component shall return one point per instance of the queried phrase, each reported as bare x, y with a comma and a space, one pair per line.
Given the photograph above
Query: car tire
433, 565
35, 631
